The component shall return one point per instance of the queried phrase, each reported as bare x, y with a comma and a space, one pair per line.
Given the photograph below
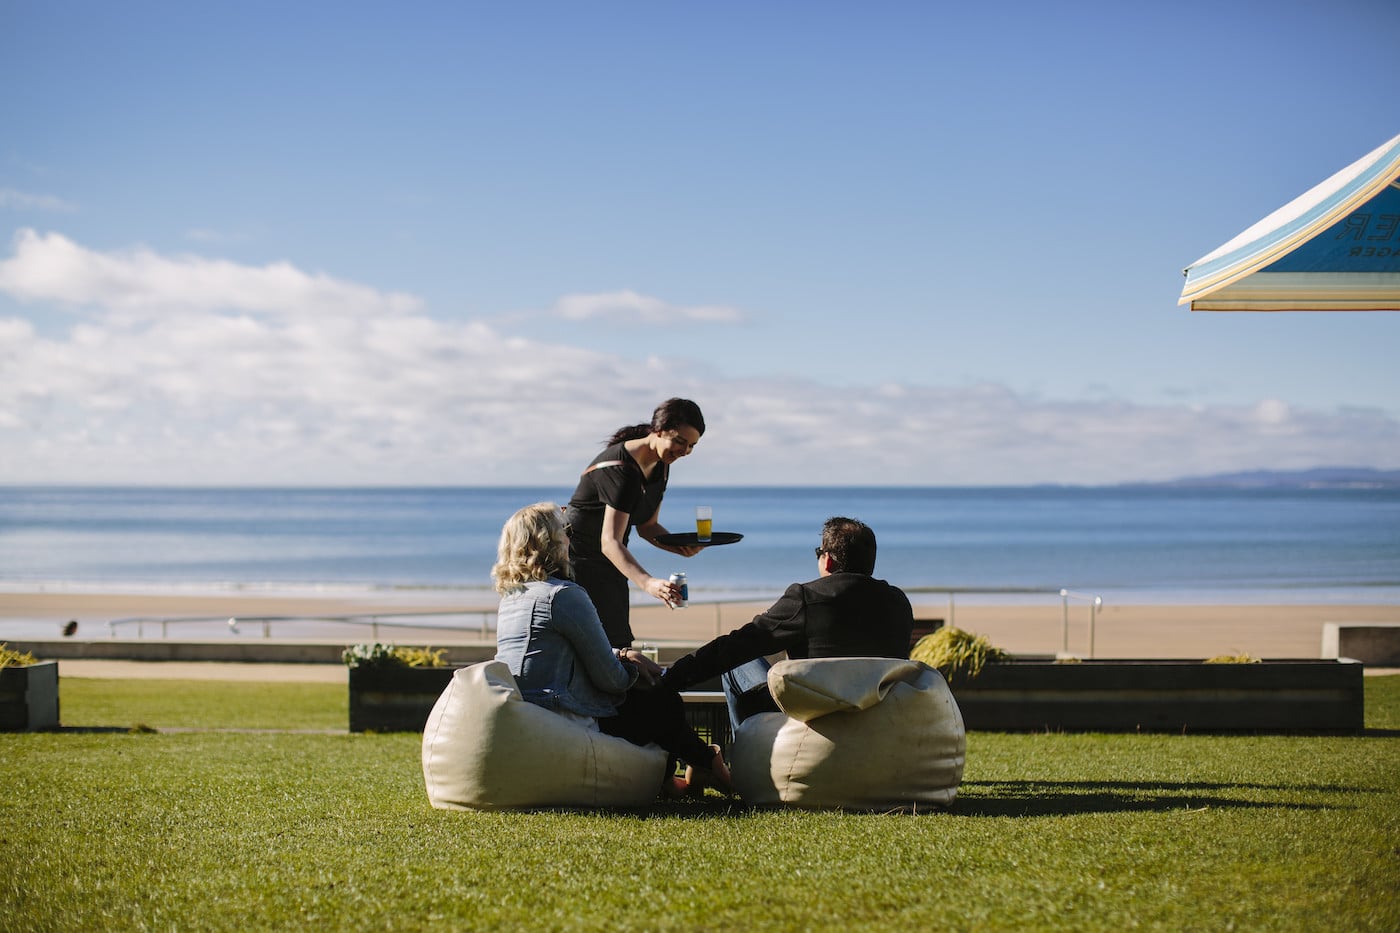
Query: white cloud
1273, 412
52, 268
628, 304
24, 201
247, 377
213, 237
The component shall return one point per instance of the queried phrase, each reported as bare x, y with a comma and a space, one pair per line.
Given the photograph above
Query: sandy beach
1129, 631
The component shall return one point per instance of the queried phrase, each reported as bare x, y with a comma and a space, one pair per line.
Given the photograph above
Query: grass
214, 830
166, 704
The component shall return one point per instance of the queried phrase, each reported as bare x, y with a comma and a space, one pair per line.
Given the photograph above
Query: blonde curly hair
534, 546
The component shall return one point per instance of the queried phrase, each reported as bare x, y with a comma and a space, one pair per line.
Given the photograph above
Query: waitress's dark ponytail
629, 433
671, 415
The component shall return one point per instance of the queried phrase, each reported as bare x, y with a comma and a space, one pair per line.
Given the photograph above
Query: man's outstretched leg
746, 691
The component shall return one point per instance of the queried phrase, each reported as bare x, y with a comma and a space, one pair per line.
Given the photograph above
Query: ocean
1124, 544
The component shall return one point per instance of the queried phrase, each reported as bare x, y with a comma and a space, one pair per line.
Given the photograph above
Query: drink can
679, 580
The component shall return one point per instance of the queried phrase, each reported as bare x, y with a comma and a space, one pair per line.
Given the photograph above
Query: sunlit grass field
106, 827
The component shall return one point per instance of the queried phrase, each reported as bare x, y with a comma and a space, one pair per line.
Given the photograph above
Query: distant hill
1316, 478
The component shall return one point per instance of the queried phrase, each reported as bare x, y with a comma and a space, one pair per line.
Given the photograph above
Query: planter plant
998, 693
28, 692
393, 688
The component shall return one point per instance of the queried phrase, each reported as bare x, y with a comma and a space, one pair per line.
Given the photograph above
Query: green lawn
167, 704
216, 830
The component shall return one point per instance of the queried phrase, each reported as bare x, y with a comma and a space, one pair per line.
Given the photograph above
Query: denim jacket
550, 637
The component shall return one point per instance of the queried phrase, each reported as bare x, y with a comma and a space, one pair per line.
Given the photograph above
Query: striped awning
1334, 248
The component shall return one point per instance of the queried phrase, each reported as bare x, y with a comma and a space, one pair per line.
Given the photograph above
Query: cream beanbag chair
485, 748
855, 733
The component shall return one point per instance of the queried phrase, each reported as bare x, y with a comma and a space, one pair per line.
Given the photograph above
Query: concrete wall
1373, 643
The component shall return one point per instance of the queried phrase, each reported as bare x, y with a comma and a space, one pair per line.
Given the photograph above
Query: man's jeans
746, 691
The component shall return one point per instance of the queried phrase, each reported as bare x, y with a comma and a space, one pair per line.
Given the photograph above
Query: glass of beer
702, 524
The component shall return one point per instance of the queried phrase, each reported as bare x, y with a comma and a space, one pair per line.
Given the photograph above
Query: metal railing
484, 617
1095, 603
1066, 596
375, 622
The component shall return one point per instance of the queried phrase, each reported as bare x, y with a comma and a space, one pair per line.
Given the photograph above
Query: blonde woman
549, 635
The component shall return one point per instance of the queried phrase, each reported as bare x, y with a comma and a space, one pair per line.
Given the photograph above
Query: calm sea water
1125, 544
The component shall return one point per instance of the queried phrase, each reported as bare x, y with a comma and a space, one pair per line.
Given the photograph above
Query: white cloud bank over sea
133, 366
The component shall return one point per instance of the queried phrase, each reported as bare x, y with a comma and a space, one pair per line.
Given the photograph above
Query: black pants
607, 589
658, 715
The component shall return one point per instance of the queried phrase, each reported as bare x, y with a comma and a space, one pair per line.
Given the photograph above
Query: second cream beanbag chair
485, 748
855, 733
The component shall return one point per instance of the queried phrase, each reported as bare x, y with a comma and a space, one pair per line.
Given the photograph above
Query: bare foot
717, 776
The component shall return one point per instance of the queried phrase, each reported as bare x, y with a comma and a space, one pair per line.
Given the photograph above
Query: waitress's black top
620, 486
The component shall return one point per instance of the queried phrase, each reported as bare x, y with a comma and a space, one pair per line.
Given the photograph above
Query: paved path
206, 670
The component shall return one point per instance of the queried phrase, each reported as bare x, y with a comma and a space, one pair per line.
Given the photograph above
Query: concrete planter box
29, 697
390, 698
1164, 696
1022, 696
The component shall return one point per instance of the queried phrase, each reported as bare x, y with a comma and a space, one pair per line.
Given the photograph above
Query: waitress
621, 490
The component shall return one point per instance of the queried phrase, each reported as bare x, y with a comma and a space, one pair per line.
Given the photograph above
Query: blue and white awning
1335, 248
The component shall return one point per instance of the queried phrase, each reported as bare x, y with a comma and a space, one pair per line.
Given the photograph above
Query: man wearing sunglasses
844, 613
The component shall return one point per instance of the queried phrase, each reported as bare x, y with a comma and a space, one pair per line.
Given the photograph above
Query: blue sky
881, 243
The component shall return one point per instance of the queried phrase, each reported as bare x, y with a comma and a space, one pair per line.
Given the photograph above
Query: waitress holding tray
621, 490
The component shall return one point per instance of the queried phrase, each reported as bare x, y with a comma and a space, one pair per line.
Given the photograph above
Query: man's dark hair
850, 544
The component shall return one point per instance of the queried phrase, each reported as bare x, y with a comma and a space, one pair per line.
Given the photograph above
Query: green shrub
371, 655
10, 656
958, 655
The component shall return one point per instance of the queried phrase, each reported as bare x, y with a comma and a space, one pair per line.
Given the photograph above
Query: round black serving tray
688, 539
